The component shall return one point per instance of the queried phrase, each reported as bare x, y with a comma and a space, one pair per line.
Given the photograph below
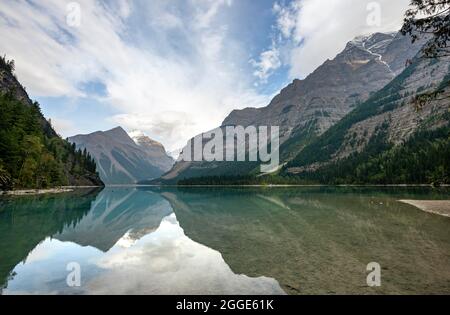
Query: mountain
393, 138
32, 155
175, 154
120, 159
330, 92
307, 108
400, 135
154, 149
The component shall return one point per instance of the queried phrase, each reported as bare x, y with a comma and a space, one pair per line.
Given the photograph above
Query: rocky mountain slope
391, 138
154, 149
307, 108
32, 155
120, 160
10, 84
333, 89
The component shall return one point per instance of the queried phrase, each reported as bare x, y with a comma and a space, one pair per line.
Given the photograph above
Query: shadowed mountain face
307, 108
121, 160
115, 213
320, 240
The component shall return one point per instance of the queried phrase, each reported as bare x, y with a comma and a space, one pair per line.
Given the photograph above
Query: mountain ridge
120, 159
307, 108
387, 124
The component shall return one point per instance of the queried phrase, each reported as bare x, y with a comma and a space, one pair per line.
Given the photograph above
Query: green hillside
32, 155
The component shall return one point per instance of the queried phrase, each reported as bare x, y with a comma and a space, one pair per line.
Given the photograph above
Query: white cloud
187, 85
207, 10
312, 31
269, 61
63, 126
286, 18
177, 71
168, 20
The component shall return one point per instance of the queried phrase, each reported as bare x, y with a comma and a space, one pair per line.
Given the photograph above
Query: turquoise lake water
313, 240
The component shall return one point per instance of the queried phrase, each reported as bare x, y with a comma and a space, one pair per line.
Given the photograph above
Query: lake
297, 240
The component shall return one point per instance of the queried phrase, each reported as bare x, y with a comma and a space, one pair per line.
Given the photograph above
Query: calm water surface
224, 241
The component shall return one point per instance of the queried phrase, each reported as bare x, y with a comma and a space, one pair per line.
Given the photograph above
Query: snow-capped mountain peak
136, 135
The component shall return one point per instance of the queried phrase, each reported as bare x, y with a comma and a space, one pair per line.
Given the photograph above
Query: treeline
7, 65
244, 180
423, 159
29, 156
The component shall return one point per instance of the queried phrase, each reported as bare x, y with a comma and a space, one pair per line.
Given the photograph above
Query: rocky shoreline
29, 192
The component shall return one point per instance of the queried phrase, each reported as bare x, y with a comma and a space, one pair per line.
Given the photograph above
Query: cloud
286, 18
312, 31
160, 64
207, 10
173, 68
63, 126
269, 61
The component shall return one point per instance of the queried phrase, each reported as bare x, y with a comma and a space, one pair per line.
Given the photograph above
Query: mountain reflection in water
224, 241
130, 242
320, 240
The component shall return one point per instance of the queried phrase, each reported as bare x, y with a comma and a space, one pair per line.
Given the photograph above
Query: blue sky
173, 68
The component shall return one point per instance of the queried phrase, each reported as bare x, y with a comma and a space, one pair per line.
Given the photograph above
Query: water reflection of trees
319, 240
27, 221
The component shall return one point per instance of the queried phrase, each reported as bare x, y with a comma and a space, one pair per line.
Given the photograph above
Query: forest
30, 156
423, 159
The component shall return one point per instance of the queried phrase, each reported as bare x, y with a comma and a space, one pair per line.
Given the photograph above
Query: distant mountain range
125, 159
364, 95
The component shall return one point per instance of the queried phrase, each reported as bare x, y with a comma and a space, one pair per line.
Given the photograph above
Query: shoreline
49, 191
288, 185
439, 207
34, 192
66, 189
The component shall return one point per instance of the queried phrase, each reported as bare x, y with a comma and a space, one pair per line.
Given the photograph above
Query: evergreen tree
430, 17
30, 155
